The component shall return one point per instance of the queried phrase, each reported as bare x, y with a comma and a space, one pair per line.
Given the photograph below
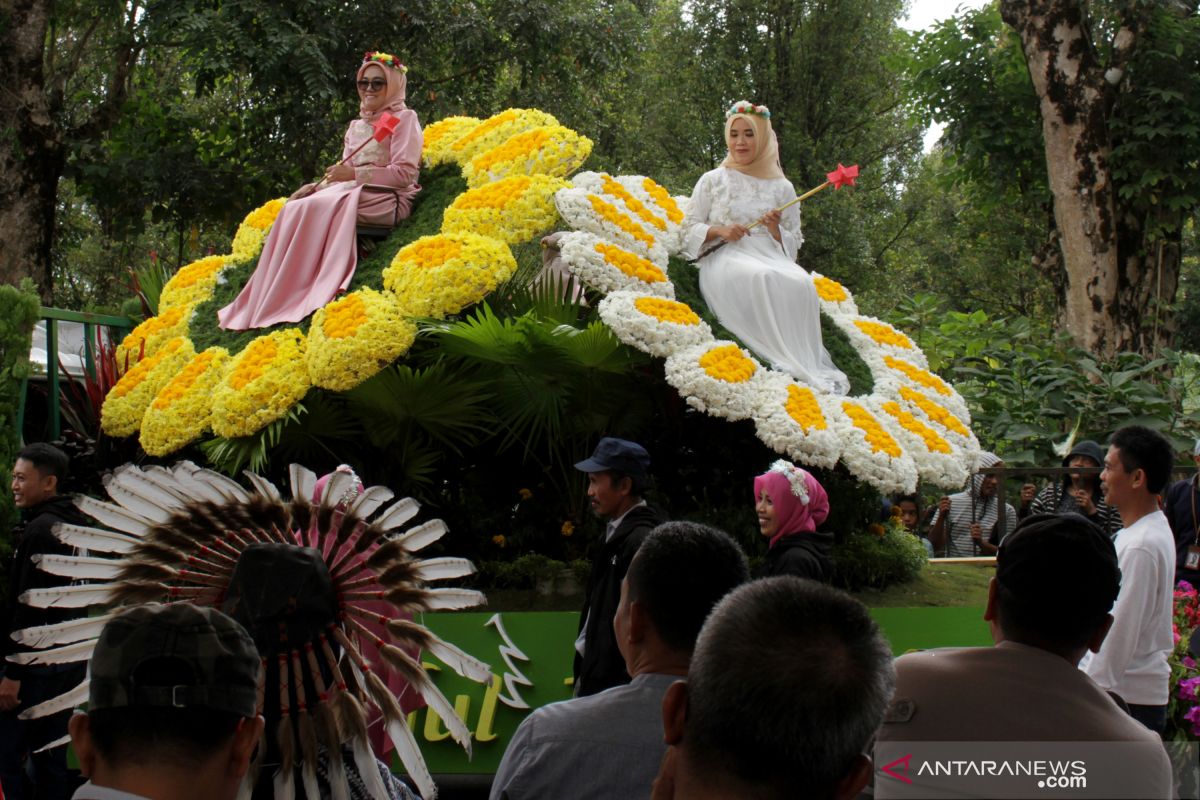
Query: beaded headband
746, 107
385, 59
794, 474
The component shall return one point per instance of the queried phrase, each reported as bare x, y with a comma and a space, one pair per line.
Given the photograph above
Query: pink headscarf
397, 87
795, 515
766, 149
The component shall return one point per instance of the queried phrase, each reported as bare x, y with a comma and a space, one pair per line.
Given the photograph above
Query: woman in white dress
753, 283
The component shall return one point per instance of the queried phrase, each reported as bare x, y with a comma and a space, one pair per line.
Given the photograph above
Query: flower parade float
494, 184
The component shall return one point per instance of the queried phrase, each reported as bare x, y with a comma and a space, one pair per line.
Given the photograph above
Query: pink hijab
801, 503
766, 149
397, 85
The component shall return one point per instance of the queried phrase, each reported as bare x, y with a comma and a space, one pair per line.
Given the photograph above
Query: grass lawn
944, 585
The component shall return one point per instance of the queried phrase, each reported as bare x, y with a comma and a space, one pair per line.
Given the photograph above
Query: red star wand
842, 176
383, 129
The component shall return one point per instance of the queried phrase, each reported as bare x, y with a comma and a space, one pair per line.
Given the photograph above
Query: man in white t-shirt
1133, 660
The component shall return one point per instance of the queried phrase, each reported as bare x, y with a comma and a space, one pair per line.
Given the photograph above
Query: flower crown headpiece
795, 476
385, 59
746, 107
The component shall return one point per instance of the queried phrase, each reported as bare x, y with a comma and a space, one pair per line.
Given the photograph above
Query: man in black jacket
618, 476
39, 470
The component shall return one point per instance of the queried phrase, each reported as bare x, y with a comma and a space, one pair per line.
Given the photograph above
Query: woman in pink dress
310, 255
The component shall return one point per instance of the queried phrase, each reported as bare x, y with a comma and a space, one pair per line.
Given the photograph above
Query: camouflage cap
211, 661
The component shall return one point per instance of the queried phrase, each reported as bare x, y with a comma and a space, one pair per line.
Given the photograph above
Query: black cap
620, 455
1059, 561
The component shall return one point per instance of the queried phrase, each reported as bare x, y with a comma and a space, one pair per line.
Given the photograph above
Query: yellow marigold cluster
192, 284
917, 375
355, 337
802, 406
664, 200
633, 265
495, 129
618, 218
632, 203
512, 210
439, 275
671, 311
829, 290
883, 333
248, 241
440, 135
182, 410
546, 150
879, 440
261, 384
727, 363
935, 411
144, 340
935, 443
127, 401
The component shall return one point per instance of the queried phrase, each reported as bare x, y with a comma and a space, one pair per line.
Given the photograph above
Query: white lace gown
754, 285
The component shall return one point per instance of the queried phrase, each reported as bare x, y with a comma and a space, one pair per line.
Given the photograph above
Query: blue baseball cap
620, 455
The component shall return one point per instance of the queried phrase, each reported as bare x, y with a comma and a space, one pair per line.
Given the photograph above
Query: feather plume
78, 567
446, 599
336, 487
67, 654
230, 489
304, 482
263, 486
113, 516
136, 592
166, 480
136, 504
385, 554
423, 535
134, 481
404, 598
410, 756
440, 569
58, 704
460, 661
196, 489
67, 596
60, 633
307, 736
368, 769
95, 539
397, 514
358, 538
284, 782
398, 573
369, 501
59, 742
328, 735
142, 572
156, 552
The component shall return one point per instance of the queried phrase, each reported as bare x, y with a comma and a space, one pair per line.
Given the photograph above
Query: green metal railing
52, 316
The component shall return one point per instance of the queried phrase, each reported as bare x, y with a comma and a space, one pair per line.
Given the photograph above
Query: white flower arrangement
782, 404
733, 397
889, 472
835, 299
869, 334
922, 405
598, 214
890, 373
609, 267
661, 327
939, 460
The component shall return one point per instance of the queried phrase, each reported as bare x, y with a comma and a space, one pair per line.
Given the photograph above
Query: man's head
1030, 602
174, 692
1136, 467
985, 485
618, 476
788, 683
1085, 454
680, 572
910, 511
39, 470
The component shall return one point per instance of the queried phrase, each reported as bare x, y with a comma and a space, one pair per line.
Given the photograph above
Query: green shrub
877, 557
19, 311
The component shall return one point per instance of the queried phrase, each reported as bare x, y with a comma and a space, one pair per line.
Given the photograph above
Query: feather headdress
191, 534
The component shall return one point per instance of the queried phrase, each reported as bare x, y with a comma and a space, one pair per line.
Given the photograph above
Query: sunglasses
374, 83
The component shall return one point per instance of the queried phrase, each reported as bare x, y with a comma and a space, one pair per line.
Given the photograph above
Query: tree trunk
31, 151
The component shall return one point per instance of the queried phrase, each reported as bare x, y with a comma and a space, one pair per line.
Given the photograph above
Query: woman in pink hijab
310, 255
753, 283
790, 504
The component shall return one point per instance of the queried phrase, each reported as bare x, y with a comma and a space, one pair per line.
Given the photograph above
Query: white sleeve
789, 226
695, 222
1139, 584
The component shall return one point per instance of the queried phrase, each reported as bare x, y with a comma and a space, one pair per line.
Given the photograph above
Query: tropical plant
883, 554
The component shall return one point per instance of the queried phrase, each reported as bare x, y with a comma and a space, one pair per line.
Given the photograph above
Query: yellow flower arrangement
802, 406
829, 289
672, 311
144, 340
664, 200
355, 337
182, 409
727, 363
126, 402
633, 265
632, 203
439, 275
248, 241
934, 443
495, 129
545, 150
261, 384
512, 210
935, 411
883, 334
192, 284
440, 135
917, 375
618, 218
879, 440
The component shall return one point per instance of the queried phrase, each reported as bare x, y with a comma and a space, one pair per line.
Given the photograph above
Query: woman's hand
730, 233
771, 220
339, 172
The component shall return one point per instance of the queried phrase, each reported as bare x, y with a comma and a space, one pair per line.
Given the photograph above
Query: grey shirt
607, 745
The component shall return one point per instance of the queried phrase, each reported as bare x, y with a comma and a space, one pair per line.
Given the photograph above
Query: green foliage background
18, 313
